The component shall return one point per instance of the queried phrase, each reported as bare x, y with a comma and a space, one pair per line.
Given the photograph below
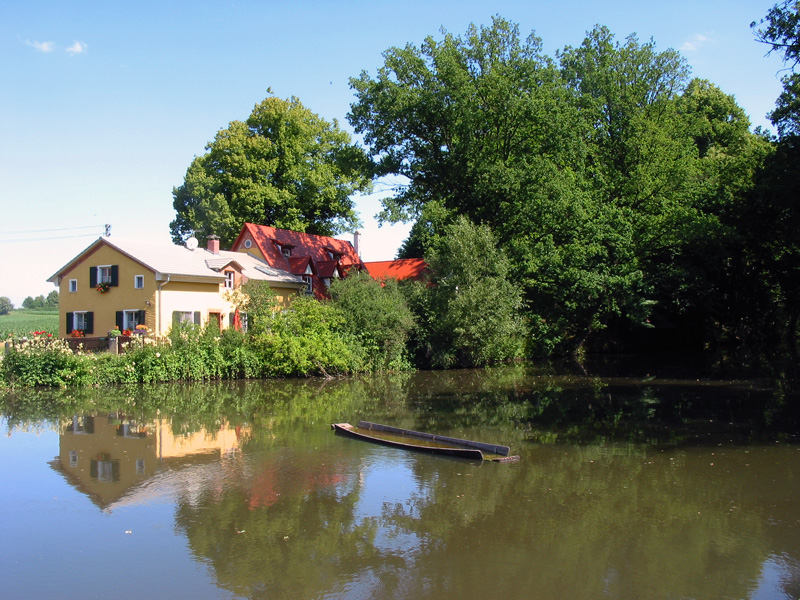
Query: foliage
377, 315
307, 339
469, 314
40, 302
614, 183
5, 305
284, 166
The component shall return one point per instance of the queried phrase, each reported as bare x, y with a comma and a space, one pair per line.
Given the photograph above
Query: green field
24, 322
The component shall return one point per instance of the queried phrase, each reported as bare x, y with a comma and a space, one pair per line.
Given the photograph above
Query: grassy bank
24, 322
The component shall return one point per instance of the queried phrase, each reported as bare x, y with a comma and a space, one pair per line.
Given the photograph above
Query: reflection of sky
389, 490
57, 544
774, 572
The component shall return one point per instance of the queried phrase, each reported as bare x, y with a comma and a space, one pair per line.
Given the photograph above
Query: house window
82, 320
185, 316
104, 274
73, 285
242, 321
229, 275
287, 252
132, 318
138, 282
248, 243
307, 279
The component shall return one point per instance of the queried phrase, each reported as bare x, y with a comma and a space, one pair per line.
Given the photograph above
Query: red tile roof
406, 268
322, 252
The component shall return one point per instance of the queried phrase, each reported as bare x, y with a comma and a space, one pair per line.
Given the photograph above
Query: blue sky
103, 105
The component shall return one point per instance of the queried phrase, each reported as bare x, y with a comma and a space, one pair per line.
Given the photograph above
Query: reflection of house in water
110, 458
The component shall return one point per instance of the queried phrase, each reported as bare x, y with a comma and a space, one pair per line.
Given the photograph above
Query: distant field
24, 322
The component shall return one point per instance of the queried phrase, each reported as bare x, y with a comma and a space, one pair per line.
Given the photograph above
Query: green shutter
176, 317
70, 323
89, 323
197, 317
93, 277
120, 320
115, 275
140, 316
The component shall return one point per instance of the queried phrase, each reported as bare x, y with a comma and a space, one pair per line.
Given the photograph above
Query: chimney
213, 244
356, 235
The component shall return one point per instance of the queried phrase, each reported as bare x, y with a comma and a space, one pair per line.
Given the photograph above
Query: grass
23, 322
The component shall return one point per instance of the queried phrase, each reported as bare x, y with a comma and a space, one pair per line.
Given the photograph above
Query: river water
637, 480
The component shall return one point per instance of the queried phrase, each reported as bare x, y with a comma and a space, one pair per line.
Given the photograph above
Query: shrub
377, 316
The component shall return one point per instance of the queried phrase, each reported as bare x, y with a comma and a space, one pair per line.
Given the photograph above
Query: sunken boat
419, 441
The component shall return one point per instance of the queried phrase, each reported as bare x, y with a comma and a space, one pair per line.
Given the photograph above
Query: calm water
640, 482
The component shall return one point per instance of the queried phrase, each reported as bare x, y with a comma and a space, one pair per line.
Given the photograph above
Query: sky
104, 105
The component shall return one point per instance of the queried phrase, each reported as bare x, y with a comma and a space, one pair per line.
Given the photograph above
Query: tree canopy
284, 166
612, 180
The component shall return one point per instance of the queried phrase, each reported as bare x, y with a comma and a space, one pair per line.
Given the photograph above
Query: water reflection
111, 457
643, 486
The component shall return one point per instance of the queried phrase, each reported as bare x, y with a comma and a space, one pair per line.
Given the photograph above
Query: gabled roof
316, 247
406, 268
166, 259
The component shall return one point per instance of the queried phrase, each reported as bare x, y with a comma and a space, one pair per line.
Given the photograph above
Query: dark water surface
635, 481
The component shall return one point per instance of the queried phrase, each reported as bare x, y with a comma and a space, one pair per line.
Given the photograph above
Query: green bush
377, 315
44, 362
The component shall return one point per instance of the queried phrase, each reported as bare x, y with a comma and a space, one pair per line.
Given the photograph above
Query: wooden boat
425, 442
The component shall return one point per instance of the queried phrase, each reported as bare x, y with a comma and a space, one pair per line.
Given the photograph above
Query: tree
5, 305
775, 210
52, 299
377, 315
284, 166
470, 313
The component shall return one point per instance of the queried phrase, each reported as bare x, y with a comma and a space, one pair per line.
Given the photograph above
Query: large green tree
605, 175
774, 219
284, 166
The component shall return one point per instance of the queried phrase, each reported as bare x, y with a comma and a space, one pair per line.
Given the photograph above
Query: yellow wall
159, 299
105, 305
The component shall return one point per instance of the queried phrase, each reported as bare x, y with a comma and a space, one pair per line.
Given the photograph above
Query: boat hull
418, 441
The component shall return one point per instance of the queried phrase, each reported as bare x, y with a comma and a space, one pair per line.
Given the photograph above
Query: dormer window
286, 251
229, 280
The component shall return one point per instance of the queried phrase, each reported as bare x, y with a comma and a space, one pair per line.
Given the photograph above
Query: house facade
316, 259
127, 284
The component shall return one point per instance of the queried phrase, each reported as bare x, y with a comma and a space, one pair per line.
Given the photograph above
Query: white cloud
693, 44
42, 46
77, 48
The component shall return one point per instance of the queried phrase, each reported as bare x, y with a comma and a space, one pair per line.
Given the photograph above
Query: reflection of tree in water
284, 530
592, 522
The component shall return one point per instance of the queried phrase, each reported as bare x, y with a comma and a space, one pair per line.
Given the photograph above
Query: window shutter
89, 322
70, 323
93, 277
197, 317
176, 317
140, 317
115, 275
120, 320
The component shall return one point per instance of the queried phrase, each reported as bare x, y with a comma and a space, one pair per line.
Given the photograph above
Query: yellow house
129, 283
